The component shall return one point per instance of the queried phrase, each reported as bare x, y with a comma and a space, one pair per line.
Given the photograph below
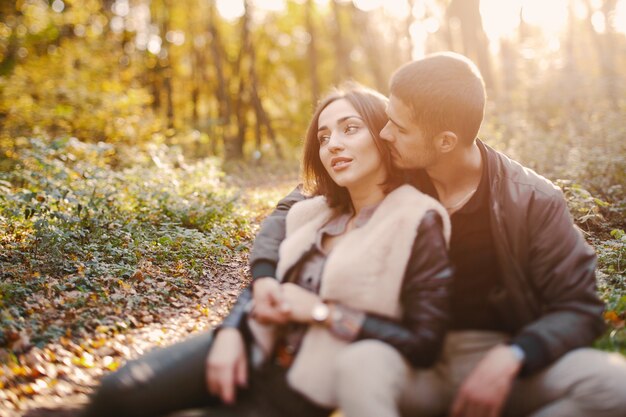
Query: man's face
410, 148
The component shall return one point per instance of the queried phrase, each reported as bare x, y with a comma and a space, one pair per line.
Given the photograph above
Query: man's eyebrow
341, 120
395, 123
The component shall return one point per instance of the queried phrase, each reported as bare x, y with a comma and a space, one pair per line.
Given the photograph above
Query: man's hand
226, 365
486, 389
301, 302
269, 305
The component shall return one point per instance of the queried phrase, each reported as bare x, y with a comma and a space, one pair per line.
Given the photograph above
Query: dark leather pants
172, 379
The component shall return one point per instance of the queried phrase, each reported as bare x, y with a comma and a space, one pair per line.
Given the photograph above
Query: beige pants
374, 380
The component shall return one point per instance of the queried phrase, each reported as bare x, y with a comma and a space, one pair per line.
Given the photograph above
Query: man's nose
385, 133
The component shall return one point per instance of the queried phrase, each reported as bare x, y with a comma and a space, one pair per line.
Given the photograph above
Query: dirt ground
72, 379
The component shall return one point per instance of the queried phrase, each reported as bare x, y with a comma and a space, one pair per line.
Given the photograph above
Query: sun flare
501, 19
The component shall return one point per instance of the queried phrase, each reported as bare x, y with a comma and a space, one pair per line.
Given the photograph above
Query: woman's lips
340, 163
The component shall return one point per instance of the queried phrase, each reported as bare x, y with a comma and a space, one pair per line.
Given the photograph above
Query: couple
365, 316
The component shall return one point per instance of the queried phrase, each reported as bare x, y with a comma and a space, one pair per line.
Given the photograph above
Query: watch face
320, 312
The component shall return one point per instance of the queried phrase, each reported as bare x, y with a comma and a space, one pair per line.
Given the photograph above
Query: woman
363, 260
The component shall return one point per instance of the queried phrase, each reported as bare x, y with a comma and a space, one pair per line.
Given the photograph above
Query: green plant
76, 226
612, 285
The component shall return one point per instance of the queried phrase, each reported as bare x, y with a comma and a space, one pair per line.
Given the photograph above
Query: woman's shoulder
408, 202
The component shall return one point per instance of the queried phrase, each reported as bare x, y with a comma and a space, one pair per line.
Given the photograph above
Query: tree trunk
196, 82
262, 119
510, 79
155, 88
474, 39
163, 62
410, 19
234, 148
312, 52
224, 103
343, 68
373, 52
167, 84
608, 60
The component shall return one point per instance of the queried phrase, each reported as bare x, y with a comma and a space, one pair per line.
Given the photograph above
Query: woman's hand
269, 306
227, 365
301, 302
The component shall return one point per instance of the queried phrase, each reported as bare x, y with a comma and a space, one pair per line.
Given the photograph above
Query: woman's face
347, 149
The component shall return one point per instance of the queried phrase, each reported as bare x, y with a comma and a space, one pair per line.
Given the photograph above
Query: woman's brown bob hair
371, 107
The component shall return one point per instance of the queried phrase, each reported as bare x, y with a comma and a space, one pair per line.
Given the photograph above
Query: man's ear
446, 141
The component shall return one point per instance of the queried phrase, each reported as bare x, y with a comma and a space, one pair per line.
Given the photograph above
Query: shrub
73, 224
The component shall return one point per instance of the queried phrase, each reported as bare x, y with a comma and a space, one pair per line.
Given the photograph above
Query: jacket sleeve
264, 253
419, 336
561, 268
237, 314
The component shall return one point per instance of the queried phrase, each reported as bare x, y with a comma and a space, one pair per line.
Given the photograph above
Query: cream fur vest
365, 270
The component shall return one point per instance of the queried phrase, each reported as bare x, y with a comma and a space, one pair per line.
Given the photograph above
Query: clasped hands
274, 303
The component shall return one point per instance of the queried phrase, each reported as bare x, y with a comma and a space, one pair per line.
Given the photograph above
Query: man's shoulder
511, 173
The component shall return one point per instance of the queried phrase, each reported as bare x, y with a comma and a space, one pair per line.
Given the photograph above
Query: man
524, 306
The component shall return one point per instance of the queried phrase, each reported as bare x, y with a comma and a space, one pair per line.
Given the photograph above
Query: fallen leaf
22, 343
611, 316
86, 360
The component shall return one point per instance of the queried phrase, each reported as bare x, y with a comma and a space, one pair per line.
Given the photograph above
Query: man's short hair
445, 92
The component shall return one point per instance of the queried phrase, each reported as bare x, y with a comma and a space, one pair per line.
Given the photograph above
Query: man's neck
457, 175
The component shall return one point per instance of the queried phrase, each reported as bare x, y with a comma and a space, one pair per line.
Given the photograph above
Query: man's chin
399, 164
411, 165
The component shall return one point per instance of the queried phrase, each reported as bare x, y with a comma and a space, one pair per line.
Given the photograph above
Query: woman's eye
352, 128
323, 139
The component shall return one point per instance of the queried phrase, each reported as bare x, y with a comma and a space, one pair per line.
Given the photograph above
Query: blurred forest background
142, 140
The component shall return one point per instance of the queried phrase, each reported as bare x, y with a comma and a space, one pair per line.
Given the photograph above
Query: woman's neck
365, 198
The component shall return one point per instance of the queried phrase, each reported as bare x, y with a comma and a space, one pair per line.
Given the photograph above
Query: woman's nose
334, 143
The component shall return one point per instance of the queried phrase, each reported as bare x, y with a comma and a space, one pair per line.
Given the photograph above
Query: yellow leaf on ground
85, 360
110, 363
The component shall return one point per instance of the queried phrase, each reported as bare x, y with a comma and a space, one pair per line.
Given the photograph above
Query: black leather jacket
548, 270
424, 295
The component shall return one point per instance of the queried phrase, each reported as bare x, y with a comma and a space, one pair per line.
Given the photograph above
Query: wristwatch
518, 352
320, 313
